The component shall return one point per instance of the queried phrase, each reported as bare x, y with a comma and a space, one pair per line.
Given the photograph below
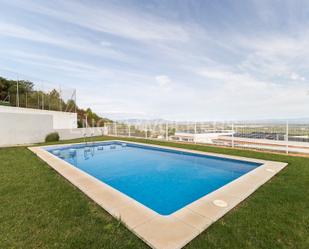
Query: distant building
205, 137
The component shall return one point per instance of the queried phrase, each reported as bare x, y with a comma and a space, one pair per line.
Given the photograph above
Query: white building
205, 137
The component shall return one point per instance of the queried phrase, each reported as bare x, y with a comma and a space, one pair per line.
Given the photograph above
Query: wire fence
18, 90
279, 136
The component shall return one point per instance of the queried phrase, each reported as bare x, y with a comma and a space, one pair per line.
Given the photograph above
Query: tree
30, 98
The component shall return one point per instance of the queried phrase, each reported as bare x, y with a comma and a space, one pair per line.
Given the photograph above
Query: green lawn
40, 209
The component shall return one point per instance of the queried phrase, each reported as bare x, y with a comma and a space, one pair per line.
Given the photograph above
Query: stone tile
166, 233
58, 165
276, 166
110, 200
87, 184
133, 214
207, 208
68, 172
239, 189
257, 177
193, 219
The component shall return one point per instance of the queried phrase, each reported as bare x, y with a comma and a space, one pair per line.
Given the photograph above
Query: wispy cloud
109, 19
163, 80
170, 59
70, 43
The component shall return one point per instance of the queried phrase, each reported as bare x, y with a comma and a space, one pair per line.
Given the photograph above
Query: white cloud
295, 76
176, 70
53, 62
68, 42
105, 44
163, 80
223, 74
276, 56
241, 94
108, 19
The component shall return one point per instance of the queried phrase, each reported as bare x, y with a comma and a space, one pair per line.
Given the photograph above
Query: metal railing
279, 136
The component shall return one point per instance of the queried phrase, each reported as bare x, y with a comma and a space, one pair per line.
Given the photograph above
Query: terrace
51, 212
154, 124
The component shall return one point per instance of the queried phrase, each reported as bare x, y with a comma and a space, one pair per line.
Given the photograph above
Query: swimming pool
164, 180
166, 196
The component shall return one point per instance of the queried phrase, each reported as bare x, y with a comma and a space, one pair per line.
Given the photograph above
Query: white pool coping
172, 231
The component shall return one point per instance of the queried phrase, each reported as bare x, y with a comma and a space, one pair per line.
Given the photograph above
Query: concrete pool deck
172, 231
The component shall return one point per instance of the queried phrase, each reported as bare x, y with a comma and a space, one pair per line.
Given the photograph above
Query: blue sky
178, 60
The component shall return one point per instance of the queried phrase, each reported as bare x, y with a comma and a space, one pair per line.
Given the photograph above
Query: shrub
5, 103
52, 137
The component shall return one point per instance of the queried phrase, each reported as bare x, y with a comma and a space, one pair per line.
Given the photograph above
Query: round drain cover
220, 203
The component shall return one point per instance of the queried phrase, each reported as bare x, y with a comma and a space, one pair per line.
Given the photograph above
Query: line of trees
92, 119
21, 93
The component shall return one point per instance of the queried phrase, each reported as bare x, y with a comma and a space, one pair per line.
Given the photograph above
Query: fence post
26, 93
17, 92
103, 130
75, 103
92, 129
232, 135
42, 96
195, 132
115, 127
84, 130
60, 96
287, 137
166, 131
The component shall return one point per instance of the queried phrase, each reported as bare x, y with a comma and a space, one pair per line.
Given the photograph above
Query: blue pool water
162, 179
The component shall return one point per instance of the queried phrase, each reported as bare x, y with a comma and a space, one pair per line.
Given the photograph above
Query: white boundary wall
19, 128
66, 134
25, 126
61, 120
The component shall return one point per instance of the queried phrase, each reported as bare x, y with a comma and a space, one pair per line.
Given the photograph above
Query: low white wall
201, 137
26, 126
66, 134
60, 120
20, 128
